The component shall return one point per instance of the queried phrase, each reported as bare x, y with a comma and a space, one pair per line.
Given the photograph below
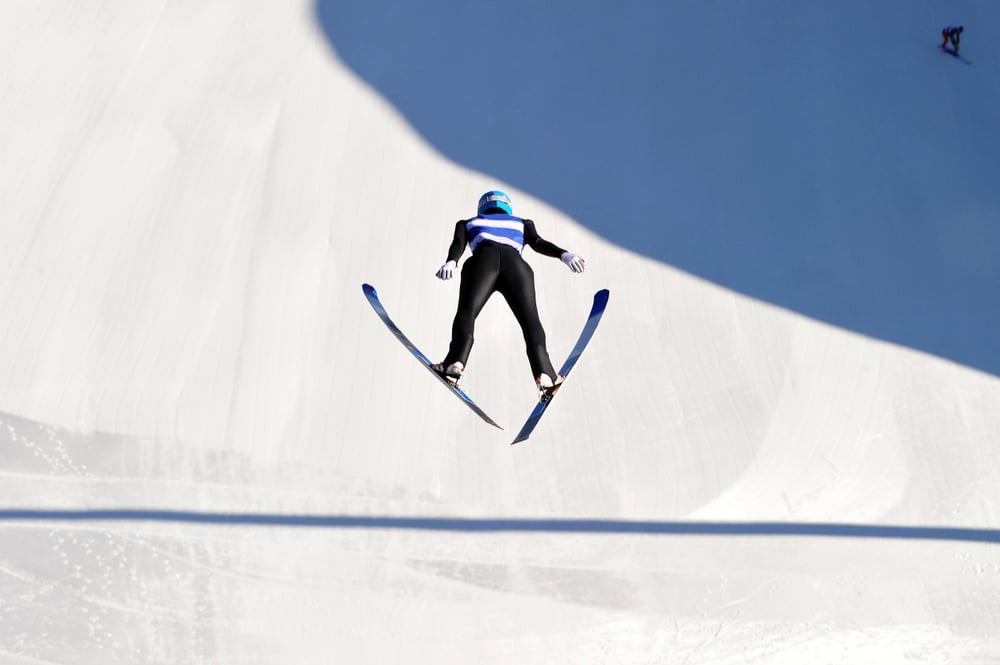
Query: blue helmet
495, 199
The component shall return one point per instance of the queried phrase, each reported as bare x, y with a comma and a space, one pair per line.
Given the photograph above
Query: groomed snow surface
212, 451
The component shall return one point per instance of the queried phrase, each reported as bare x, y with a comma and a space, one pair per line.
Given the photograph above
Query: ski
955, 55
596, 312
372, 295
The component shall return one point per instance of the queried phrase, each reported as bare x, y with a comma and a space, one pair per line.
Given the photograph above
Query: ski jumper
496, 241
952, 34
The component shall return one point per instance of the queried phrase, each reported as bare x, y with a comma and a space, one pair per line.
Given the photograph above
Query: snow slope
212, 451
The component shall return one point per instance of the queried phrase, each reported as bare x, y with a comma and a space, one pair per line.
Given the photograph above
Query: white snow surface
191, 195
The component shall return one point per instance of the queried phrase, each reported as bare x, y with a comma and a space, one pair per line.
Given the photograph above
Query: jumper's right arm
458, 242
455, 251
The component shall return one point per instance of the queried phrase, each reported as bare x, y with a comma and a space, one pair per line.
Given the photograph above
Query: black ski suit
499, 267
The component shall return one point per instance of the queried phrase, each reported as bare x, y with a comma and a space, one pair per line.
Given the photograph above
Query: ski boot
452, 373
547, 387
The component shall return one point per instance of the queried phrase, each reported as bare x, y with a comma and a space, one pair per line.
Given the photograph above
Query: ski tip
368, 288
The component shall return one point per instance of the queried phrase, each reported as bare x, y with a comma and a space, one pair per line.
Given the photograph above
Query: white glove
575, 263
447, 271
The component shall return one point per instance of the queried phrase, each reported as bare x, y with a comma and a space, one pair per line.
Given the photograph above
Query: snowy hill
780, 447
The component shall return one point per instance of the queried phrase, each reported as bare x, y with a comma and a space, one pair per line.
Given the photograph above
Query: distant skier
497, 238
953, 35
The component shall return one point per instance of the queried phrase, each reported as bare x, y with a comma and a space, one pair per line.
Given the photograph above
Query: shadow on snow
512, 525
853, 185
